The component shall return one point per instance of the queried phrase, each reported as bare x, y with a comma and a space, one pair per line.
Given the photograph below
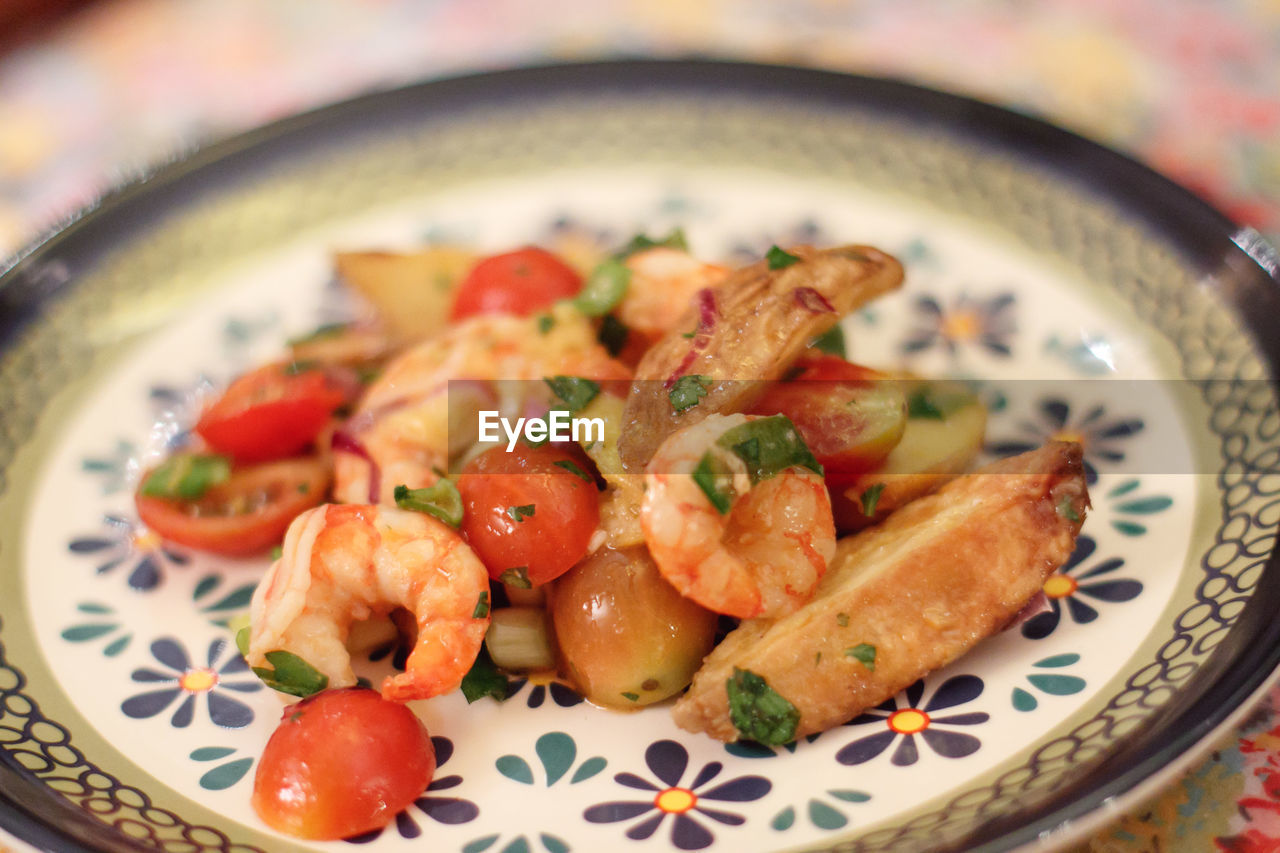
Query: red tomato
519, 282
341, 763
849, 415
246, 514
528, 518
270, 413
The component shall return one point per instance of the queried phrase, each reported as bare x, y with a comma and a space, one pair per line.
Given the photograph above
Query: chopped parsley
482, 606
831, 342
484, 679
641, 242
715, 479
613, 334
931, 402
291, 674
277, 551
758, 712
520, 513
780, 259
439, 500
921, 405
768, 446
633, 697
688, 390
842, 619
517, 577
545, 323
870, 498
864, 652
574, 391
604, 288
572, 468
186, 476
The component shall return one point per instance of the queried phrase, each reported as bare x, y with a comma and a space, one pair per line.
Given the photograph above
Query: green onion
574, 391
604, 289
439, 500
517, 577
518, 639
780, 259
482, 606
186, 476
758, 712
688, 390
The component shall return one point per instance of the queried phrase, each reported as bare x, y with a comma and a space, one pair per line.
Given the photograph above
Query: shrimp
663, 283
764, 555
345, 563
411, 422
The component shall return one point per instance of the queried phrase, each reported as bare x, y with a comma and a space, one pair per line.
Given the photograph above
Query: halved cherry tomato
530, 513
850, 416
270, 413
341, 763
519, 282
245, 514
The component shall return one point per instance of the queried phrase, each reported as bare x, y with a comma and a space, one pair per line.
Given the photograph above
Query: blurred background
90, 92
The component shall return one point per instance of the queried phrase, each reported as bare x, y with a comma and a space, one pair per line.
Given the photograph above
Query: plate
1083, 294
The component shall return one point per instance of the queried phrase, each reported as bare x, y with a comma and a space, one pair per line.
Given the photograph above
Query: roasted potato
898, 601
410, 291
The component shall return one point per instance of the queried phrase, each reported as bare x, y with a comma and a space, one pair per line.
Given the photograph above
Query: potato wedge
939, 443
411, 291
746, 330
920, 590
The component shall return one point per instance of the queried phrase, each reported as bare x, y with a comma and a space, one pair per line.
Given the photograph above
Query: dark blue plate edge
1207, 240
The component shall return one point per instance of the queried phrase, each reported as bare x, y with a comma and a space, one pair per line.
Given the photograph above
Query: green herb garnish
758, 712
277, 551
842, 619
613, 334
517, 577
864, 652
484, 679
870, 498
780, 259
186, 476
715, 479
641, 242
604, 288
520, 513
291, 674
831, 342
574, 391
328, 330
634, 697
573, 469
482, 606
921, 405
545, 323
439, 500
768, 446
933, 403
242, 641
688, 390
1067, 509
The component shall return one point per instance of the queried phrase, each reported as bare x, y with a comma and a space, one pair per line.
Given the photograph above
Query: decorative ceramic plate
1087, 296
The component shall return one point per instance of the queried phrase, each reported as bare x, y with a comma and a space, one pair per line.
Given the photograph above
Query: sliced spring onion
519, 639
186, 476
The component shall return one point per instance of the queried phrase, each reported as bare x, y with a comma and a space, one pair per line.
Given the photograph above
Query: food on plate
727, 444
899, 601
341, 763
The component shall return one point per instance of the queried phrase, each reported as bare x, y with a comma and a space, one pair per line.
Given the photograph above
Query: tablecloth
1191, 88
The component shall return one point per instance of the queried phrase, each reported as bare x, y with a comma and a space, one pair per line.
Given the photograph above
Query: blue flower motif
173, 407
127, 542
908, 719
446, 810
1102, 438
116, 467
561, 694
1071, 582
668, 761
187, 682
988, 323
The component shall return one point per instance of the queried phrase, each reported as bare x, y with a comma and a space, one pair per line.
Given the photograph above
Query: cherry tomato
528, 514
342, 763
270, 413
849, 415
245, 514
519, 282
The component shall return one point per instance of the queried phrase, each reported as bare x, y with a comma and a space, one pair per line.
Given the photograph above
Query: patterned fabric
1193, 89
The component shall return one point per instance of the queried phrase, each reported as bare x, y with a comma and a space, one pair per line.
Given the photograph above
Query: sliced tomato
272, 412
243, 515
519, 282
528, 514
341, 763
850, 416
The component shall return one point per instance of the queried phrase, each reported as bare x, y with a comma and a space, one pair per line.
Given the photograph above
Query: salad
656, 478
